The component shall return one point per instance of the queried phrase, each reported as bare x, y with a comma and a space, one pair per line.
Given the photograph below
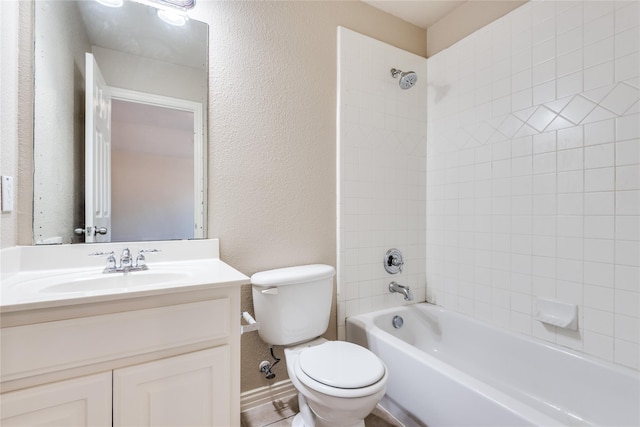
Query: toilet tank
293, 304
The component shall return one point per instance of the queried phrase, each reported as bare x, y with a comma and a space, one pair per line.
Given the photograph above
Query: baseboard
259, 396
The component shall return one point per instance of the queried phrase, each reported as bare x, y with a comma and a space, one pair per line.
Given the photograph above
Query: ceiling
422, 13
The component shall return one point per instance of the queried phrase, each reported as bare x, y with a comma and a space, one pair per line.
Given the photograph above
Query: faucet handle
393, 261
111, 259
100, 253
141, 261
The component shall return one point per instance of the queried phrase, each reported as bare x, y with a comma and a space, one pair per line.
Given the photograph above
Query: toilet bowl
339, 383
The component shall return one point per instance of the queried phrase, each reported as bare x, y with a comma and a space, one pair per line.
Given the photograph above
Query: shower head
407, 80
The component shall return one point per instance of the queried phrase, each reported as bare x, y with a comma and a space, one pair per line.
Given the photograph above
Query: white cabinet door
84, 401
189, 390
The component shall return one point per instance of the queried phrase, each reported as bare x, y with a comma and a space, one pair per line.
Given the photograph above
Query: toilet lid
341, 364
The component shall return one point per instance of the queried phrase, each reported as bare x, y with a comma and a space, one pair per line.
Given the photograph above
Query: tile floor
281, 412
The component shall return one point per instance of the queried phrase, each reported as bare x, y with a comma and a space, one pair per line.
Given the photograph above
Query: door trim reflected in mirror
199, 144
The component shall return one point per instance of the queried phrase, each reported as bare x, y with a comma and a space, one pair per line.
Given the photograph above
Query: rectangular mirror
120, 119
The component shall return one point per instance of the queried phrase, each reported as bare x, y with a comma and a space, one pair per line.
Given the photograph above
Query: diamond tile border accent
607, 102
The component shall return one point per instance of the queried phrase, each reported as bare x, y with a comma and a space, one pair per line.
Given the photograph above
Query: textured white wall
533, 181
272, 174
9, 112
382, 162
61, 43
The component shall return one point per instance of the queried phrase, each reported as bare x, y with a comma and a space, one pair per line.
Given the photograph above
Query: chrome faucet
125, 260
126, 263
404, 290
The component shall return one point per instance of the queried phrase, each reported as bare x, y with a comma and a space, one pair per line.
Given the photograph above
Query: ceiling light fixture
179, 6
111, 3
173, 12
172, 18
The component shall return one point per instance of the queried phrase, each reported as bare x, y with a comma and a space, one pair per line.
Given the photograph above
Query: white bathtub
447, 369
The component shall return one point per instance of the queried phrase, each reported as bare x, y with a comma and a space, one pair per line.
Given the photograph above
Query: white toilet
339, 383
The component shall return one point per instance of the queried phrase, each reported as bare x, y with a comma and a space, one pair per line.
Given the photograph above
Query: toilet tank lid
289, 275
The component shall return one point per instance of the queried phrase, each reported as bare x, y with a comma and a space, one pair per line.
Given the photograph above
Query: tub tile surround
381, 166
533, 173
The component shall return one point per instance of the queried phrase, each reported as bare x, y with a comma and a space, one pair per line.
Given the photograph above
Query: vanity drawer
43, 348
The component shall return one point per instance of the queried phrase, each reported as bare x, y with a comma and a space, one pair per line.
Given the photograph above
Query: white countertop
61, 275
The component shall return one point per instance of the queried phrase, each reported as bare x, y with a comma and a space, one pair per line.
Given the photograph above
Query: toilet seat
340, 369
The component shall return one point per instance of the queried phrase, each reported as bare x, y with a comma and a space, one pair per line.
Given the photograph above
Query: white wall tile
552, 191
627, 41
628, 127
627, 253
599, 28
598, 345
599, 227
601, 322
599, 75
570, 62
596, 9
627, 278
620, 99
570, 225
544, 163
628, 152
627, 228
598, 297
628, 202
568, 160
599, 250
627, 67
376, 214
570, 138
599, 52
627, 353
544, 93
599, 156
599, 274
601, 179
628, 177
599, 132
599, 203
627, 328
627, 303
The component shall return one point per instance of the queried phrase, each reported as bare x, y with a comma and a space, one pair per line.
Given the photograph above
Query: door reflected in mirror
157, 74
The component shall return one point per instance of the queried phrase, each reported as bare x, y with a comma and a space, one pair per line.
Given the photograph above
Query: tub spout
404, 290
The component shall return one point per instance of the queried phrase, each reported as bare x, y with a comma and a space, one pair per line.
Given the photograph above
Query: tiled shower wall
533, 183
381, 174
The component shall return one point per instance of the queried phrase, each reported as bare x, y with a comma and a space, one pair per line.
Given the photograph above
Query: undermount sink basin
113, 281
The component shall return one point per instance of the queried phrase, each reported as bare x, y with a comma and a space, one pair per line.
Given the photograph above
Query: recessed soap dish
560, 314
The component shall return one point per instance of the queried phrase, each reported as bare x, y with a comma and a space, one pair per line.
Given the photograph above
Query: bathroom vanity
162, 349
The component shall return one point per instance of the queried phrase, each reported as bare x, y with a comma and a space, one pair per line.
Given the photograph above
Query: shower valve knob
393, 261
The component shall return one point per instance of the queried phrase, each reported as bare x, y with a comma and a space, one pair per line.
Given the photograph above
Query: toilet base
307, 418
298, 421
